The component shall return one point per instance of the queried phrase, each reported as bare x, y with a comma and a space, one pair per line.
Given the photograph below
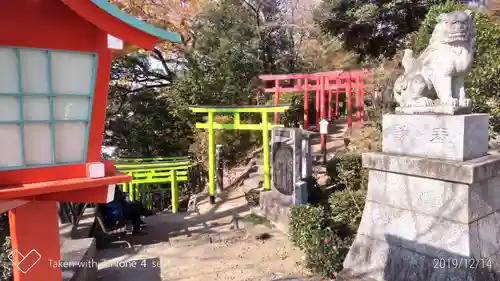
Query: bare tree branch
160, 57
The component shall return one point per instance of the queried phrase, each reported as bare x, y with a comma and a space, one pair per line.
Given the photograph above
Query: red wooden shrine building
55, 65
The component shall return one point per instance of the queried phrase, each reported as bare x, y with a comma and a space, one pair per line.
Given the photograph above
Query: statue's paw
464, 103
428, 102
424, 102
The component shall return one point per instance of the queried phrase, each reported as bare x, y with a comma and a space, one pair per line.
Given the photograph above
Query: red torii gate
335, 82
344, 81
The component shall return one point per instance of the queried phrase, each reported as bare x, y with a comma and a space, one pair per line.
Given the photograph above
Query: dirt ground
219, 243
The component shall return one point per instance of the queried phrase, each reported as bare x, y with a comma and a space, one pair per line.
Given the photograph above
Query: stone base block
276, 207
445, 137
78, 260
431, 235
428, 220
376, 260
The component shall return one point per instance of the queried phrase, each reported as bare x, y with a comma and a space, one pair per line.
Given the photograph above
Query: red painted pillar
322, 99
362, 93
338, 81
330, 110
306, 102
318, 97
322, 80
276, 100
349, 100
34, 230
358, 97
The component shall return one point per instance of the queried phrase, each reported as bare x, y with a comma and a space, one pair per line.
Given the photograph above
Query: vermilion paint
344, 82
31, 194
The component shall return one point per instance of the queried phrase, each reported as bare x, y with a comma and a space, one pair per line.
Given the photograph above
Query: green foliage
326, 232
346, 208
148, 110
306, 223
483, 83
222, 67
347, 171
294, 116
141, 121
326, 253
5, 263
372, 28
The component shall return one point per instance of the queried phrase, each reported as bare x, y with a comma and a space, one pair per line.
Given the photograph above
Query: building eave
114, 21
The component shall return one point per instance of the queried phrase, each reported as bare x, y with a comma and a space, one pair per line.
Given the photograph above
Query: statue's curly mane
440, 32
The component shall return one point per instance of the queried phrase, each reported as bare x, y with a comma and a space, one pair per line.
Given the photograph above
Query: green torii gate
211, 126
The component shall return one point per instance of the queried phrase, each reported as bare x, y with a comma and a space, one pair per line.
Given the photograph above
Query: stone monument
432, 211
290, 164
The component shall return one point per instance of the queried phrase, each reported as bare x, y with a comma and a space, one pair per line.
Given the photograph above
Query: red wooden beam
6, 205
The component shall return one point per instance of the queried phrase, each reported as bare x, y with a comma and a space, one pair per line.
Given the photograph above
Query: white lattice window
45, 106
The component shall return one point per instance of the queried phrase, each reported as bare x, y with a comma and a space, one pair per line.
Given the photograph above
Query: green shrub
311, 230
347, 171
327, 253
346, 208
325, 232
306, 224
483, 83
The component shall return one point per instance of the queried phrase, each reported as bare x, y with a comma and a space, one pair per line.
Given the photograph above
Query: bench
105, 233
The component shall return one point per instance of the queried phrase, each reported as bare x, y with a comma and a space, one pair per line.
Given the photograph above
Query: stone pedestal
290, 161
276, 205
428, 218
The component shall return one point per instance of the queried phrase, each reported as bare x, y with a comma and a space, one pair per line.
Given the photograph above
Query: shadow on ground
166, 226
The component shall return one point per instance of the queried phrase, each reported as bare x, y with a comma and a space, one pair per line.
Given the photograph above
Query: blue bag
114, 213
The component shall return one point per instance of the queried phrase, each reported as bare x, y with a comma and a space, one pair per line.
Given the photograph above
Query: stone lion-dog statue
437, 76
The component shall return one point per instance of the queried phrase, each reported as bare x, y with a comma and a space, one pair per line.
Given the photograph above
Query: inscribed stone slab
446, 137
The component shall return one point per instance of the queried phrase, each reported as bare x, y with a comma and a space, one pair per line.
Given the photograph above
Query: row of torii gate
347, 87
349, 84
